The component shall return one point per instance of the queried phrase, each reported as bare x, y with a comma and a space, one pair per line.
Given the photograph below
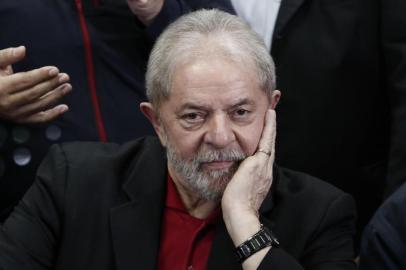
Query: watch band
263, 238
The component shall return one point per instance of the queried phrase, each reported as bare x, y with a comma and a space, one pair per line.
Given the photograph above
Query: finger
23, 80
39, 90
8, 70
43, 103
10, 56
45, 116
267, 141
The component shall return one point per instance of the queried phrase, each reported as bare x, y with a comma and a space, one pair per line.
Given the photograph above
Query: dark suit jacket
341, 67
99, 206
119, 52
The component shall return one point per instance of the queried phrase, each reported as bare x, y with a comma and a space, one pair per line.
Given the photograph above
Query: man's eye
192, 117
241, 112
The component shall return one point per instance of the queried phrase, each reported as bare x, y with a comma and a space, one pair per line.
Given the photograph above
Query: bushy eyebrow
244, 101
193, 106
203, 107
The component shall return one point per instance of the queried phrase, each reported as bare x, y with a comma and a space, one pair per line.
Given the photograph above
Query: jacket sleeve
382, 247
383, 243
393, 29
29, 237
173, 9
329, 248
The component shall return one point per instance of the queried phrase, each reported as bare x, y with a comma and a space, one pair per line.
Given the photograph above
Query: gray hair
203, 34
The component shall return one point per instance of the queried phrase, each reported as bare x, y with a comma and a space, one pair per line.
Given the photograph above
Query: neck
195, 205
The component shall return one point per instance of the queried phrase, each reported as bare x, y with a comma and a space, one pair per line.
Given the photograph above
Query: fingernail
63, 77
63, 108
53, 71
66, 88
18, 50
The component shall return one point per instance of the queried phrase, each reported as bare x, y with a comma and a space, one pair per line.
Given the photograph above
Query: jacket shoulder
92, 153
312, 217
92, 163
294, 183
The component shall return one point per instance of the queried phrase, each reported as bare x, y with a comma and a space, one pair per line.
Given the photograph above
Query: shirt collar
174, 201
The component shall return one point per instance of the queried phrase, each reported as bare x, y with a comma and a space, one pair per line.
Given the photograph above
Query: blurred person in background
342, 66
97, 50
383, 243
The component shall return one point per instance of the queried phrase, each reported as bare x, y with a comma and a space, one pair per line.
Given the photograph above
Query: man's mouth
218, 164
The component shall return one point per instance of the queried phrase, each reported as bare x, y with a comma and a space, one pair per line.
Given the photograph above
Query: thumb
10, 56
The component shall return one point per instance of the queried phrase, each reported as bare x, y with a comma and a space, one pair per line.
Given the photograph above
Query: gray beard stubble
208, 184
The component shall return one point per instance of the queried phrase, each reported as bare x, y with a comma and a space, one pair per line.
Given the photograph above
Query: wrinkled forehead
214, 83
197, 47
211, 47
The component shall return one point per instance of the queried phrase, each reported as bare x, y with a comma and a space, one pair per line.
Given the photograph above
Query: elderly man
206, 195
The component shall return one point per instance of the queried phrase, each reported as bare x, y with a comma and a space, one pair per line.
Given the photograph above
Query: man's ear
152, 114
276, 96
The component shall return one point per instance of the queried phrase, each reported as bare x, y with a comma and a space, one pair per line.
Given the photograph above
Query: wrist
241, 224
262, 239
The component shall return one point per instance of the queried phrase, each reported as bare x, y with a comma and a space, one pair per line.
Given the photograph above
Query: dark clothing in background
53, 34
100, 206
341, 67
383, 244
104, 49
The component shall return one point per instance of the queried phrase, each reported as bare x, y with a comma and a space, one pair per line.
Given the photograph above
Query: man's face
212, 120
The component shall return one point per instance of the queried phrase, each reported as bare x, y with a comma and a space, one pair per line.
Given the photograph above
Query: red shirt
185, 240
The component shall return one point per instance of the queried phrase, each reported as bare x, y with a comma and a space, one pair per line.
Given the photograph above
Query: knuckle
59, 94
32, 119
25, 81
41, 107
5, 53
54, 97
22, 80
52, 84
13, 84
36, 92
37, 106
43, 117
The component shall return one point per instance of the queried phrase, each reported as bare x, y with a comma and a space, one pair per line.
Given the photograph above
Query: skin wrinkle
204, 125
212, 46
192, 175
208, 184
216, 110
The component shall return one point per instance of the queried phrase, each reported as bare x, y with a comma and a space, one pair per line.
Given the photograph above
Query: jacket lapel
222, 252
286, 11
135, 232
136, 221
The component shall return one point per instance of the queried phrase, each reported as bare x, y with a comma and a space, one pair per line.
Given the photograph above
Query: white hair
200, 35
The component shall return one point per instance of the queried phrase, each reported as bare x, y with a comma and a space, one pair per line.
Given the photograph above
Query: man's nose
219, 133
